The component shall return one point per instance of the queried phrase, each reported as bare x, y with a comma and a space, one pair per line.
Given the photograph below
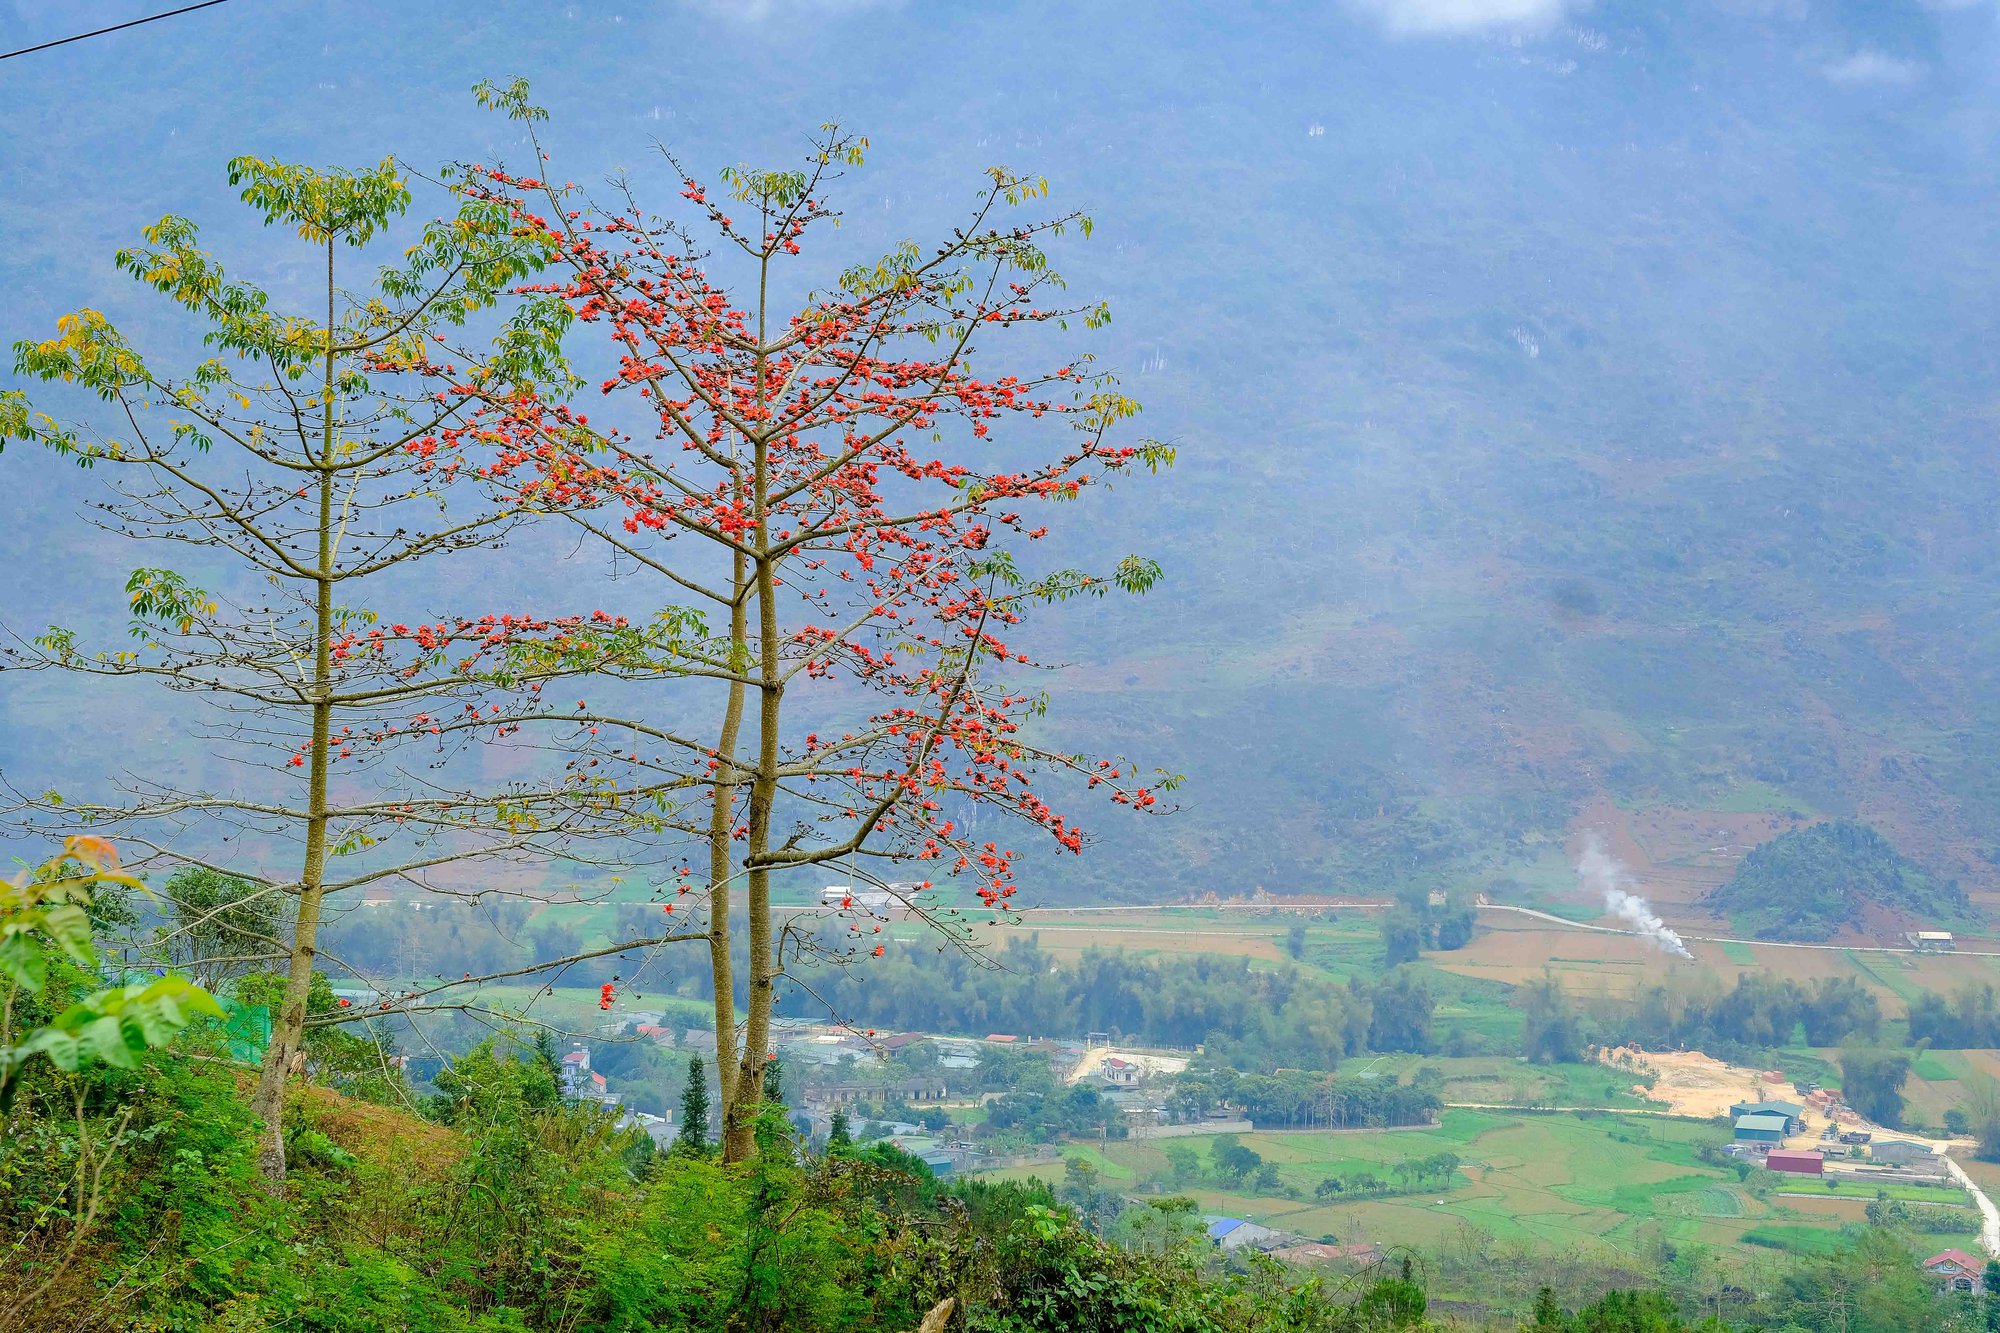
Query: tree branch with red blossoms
824, 463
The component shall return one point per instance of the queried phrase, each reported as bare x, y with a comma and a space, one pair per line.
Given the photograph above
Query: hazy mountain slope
1602, 407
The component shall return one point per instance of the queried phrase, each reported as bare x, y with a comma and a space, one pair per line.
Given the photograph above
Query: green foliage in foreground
506, 1209
130, 1199
45, 937
1812, 882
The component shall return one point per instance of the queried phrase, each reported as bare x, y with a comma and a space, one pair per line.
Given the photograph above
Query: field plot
1587, 962
1506, 1081
1551, 1179
1507, 950
1839, 1209
1938, 1067
1339, 943
574, 1008
1234, 935
1479, 1014
1596, 963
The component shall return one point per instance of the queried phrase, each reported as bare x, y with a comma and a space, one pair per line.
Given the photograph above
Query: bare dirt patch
1691, 1083
1845, 1210
1096, 1059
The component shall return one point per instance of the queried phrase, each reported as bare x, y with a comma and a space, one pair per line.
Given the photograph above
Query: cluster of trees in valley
1298, 1098
1753, 1014
1416, 924
1253, 1018
1966, 1020
1756, 1012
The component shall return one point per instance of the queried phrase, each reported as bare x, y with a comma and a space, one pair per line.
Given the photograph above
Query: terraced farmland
1559, 1181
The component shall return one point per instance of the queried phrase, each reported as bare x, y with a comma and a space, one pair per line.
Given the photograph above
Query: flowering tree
825, 481
290, 457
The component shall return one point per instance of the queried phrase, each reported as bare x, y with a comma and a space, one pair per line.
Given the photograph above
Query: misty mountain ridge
1597, 407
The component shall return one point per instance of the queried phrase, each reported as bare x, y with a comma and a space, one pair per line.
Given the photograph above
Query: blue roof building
1233, 1233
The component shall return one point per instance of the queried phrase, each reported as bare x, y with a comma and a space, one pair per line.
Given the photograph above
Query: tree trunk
739, 1143
739, 1139
721, 834
288, 1024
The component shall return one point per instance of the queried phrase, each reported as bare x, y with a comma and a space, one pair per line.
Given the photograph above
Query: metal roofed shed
1233, 1233
1763, 1127
1899, 1152
1793, 1113
1798, 1163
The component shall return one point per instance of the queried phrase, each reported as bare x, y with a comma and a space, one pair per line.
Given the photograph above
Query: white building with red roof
1955, 1270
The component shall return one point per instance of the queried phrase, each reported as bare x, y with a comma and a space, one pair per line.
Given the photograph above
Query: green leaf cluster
48, 909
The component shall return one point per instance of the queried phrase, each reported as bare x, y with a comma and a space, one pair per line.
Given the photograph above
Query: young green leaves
46, 908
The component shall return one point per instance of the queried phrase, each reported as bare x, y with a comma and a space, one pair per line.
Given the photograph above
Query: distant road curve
1538, 915
1989, 1230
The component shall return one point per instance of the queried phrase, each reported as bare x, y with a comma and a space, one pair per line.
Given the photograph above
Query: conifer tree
545, 1052
693, 1136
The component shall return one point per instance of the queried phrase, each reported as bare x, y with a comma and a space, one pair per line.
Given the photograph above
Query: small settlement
1764, 1132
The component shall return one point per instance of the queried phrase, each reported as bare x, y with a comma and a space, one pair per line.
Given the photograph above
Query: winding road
1535, 913
1989, 1231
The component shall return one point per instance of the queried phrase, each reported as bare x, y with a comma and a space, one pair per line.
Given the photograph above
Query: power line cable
116, 27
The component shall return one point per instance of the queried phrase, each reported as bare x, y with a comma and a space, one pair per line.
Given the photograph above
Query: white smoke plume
1601, 872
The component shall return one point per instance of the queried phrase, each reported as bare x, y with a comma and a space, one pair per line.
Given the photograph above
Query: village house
659, 1128
1114, 1069
957, 1054
1955, 1271
695, 1040
908, 1090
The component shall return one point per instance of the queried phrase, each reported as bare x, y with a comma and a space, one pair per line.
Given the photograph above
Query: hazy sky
1681, 312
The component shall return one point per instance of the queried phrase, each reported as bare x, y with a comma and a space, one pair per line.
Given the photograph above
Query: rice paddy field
1551, 1181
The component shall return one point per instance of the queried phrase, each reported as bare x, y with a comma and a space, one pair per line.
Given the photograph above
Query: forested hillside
1604, 407
1812, 882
